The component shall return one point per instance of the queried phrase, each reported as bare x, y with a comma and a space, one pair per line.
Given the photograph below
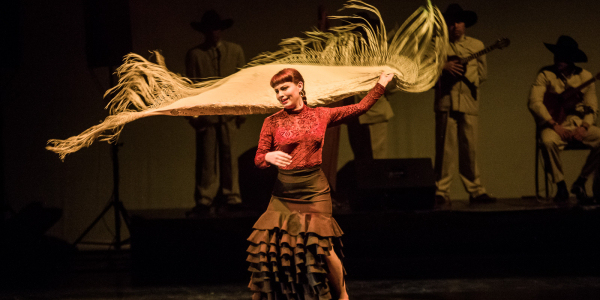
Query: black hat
455, 13
211, 21
567, 48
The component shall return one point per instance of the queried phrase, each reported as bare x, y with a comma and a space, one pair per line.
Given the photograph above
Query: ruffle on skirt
287, 261
292, 238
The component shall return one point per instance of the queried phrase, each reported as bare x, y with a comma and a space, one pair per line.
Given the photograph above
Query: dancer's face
288, 94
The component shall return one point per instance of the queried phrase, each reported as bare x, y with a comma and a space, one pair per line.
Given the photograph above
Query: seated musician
566, 119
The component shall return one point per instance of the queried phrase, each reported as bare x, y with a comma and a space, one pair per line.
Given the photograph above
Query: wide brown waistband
300, 172
320, 207
316, 198
305, 185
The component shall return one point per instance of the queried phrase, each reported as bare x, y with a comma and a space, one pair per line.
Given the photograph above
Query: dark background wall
48, 91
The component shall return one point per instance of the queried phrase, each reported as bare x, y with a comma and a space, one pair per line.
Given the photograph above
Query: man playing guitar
456, 110
564, 104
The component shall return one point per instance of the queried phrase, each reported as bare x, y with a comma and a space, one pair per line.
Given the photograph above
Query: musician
368, 133
456, 110
216, 167
579, 114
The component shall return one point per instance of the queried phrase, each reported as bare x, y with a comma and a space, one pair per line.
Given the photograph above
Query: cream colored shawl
334, 64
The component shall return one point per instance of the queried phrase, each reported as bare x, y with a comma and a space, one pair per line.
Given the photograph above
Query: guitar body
448, 80
553, 103
561, 105
457, 59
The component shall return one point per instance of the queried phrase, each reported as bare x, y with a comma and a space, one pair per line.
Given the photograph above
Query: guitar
563, 104
449, 80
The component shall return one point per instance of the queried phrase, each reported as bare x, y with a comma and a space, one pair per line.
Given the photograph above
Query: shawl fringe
415, 52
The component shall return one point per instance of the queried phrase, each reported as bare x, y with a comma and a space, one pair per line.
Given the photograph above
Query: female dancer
292, 253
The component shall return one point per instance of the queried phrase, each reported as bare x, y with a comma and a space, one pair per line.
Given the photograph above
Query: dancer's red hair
286, 75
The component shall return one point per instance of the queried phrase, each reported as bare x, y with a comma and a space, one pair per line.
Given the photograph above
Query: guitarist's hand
454, 68
579, 133
564, 134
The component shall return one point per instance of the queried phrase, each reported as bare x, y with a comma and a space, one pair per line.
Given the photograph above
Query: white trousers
553, 145
456, 131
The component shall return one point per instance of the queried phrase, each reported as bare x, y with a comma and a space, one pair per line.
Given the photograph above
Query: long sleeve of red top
301, 133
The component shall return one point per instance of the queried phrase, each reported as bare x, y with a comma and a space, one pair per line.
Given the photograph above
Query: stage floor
514, 249
513, 237
580, 288
502, 205
517, 204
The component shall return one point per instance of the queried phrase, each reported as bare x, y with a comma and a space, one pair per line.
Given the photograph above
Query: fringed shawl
334, 64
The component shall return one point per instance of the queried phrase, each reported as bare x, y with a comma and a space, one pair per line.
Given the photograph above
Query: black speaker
108, 32
384, 184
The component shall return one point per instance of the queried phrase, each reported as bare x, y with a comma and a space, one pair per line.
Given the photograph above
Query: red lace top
301, 133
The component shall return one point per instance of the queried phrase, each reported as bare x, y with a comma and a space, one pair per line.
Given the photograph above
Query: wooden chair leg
546, 181
538, 155
537, 170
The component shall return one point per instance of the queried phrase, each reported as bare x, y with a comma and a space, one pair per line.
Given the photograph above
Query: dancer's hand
384, 79
278, 158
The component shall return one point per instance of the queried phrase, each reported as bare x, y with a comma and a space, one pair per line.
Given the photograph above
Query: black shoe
578, 189
237, 207
587, 201
562, 195
199, 211
442, 202
483, 198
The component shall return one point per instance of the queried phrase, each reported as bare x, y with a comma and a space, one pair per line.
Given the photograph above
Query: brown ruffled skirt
291, 239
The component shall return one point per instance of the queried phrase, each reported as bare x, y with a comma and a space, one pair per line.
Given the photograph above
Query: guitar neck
477, 54
583, 85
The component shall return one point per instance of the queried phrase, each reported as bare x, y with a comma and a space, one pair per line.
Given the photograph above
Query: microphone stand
115, 203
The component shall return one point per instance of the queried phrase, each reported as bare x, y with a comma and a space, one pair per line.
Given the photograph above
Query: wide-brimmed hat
211, 21
455, 13
566, 47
